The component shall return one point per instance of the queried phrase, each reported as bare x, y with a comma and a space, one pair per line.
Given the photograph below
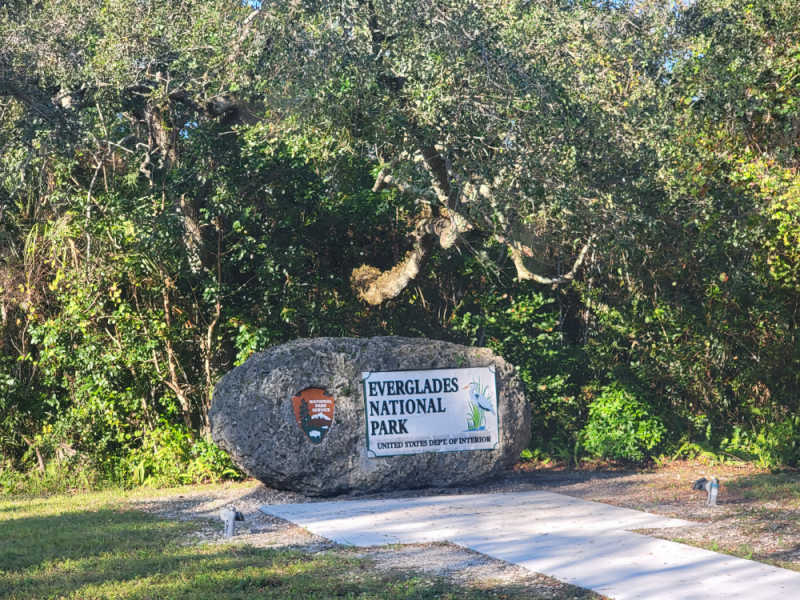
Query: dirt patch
758, 517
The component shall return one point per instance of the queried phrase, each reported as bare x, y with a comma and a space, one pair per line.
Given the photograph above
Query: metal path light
230, 515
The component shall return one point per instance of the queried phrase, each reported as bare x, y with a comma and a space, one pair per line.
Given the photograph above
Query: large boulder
329, 415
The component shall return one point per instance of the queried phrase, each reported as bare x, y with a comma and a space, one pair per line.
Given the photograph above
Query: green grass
781, 486
476, 417
93, 546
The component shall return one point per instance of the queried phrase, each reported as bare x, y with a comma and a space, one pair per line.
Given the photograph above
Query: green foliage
621, 426
697, 305
526, 329
168, 455
181, 186
782, 188
701, 452
58, 477
771, 445
12, 403
171, 455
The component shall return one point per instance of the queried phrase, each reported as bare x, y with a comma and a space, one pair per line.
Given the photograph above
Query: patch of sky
187, 127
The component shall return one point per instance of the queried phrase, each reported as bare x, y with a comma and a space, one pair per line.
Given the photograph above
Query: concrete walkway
584, 543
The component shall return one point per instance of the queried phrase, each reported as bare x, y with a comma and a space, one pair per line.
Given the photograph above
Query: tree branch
30, 94
523, 274
447, 224
437, 167
35, 448
387, 180
374, 286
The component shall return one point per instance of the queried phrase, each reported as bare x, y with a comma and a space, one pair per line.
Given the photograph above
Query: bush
58, 477
621, 427
525, 329
171, 455
773, 444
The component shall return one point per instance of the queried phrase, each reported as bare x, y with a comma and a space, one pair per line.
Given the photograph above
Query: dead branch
374, 286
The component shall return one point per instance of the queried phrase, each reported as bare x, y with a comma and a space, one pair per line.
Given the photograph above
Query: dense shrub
771, 444
527, 329
172, 455
621, 426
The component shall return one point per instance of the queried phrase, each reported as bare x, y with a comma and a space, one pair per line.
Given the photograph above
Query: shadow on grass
35, 541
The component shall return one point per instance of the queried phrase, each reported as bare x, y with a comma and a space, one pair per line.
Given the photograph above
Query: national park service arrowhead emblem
313, 411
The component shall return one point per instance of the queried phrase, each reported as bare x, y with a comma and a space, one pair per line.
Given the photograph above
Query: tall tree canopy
522, 123
606, 192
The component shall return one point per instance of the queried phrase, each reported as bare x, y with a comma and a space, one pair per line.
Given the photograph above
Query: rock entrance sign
437, 410
330, 415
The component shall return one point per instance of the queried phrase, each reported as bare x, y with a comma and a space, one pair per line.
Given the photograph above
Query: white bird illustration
479, 398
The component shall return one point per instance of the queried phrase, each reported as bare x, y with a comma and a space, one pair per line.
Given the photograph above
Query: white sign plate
437, 410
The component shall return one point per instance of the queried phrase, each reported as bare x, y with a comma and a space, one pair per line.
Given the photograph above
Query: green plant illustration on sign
480, 402
475, 418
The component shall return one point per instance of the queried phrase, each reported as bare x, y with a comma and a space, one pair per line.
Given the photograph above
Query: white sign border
366, 375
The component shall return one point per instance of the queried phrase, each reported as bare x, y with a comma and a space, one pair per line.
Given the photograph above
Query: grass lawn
92, 546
